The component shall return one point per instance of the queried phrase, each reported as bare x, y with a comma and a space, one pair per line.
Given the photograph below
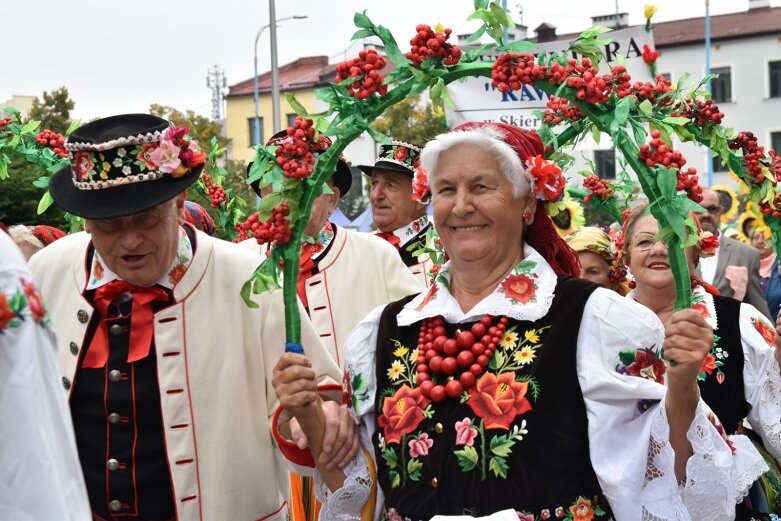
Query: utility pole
215, 80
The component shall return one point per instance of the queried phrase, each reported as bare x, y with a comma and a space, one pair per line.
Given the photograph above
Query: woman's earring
527, 217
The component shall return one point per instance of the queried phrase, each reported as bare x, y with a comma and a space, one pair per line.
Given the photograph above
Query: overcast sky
117, 57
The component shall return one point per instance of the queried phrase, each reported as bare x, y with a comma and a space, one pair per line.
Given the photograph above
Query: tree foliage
19, 198
410, 120
54, 112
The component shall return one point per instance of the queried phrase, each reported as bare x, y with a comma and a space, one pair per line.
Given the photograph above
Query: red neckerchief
390, 237
141, 322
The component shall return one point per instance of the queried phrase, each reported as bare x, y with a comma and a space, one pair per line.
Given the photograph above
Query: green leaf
395, 478
521, 46
477, 34
593, 32
29, 127
646, 108
389, 455
391, 47
596, 134
42, 182
363, 21
498, 466
627, 357
73, 126
295, 104
3, 169
675, 120
45, 202
413, 469
501, 445
667, 181
362, 33
246, 291
622, 110
467, 458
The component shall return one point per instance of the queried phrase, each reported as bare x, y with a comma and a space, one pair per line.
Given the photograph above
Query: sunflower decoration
745, 223
742, 187
567, 215
729, 200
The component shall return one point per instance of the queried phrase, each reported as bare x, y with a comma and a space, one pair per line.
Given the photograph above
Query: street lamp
256, 126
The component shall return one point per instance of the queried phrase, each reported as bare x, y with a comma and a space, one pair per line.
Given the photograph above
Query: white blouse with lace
628, 428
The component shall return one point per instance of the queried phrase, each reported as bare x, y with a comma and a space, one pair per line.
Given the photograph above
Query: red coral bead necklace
460, 360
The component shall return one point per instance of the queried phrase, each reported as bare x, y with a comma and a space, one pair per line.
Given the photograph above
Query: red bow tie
390, 237
141, 322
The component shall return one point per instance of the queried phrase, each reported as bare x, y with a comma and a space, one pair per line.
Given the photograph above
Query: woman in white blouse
496, 391
740, 377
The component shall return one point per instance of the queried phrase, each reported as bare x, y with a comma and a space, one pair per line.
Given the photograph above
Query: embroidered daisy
401, 351
508, 339
121, 152
396, 370
117, 162
525, 355
532, 336
126, 170
413, 356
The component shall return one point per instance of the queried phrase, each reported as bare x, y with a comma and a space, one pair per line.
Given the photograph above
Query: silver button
114, 418
66, 383
112, 464
115, 506
74, 347
114, 375
82, 315
116, 329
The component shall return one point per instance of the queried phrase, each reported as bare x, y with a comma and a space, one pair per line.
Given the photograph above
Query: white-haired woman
496, 390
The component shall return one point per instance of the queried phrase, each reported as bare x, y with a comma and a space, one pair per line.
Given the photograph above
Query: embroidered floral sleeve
620, 371
762, 377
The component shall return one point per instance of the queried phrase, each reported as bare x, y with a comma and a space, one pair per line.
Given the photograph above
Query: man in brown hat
165, 368
399, 219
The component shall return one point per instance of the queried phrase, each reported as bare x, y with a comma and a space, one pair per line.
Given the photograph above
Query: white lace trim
346, 503
496, 303
770, 408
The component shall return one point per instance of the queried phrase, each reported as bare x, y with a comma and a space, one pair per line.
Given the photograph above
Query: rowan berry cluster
215, 192
597, 187
658, 153
3, 122
590, 86
560, 109
700, 111
653, 91
294, 153
53, 140
512, 70
753, 153
274, 229
621, 84
430, 44
366, 71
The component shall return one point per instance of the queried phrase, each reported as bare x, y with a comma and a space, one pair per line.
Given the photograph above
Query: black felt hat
397, 156
342, 177
125, 164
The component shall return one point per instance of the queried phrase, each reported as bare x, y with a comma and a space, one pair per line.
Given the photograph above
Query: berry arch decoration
641, 118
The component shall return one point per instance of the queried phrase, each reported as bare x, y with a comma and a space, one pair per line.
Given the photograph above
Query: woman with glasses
740, 379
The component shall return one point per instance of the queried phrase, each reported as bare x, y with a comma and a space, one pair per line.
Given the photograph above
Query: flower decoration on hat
546, 178
134, 159
421, 192
706, 241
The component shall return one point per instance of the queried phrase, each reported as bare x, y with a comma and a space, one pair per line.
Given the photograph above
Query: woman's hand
687, 341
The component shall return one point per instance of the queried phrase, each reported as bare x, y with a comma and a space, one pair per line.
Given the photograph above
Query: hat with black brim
397, 156
342, 177
122, 165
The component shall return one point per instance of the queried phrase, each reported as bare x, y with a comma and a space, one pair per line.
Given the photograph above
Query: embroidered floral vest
728, 398
518, 439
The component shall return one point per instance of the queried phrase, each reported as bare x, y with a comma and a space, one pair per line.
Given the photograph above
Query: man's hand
295, 383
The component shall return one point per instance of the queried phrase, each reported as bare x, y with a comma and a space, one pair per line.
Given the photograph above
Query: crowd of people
529, 377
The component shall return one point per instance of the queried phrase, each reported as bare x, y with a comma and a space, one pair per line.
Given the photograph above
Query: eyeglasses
644, 241
142, 221
715, 209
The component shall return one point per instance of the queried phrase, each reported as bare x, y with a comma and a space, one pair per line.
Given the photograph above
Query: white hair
488, 138
22, 234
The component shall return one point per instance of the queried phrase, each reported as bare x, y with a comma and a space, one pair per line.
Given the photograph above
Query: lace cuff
346, 503
769, 410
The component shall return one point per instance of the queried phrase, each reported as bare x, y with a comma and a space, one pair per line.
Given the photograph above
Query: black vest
548, 468
727, 399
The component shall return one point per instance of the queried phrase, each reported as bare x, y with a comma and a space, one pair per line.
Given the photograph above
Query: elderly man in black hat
338, 260
399, 219
165, 368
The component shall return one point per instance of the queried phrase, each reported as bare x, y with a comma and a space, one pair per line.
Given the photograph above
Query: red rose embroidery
582, 510
98, 270
82, 165
6, 314
402, 413
400, 154
519, 287
499, 399
767, 332
647, 365
34, 301
176, 273
708, 365
701, 308
145, 155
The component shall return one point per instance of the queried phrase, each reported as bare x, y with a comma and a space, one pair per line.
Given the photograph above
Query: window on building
721, 87
774, 71
775, 142
717, 166
605, 161
291, 118
252, 141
